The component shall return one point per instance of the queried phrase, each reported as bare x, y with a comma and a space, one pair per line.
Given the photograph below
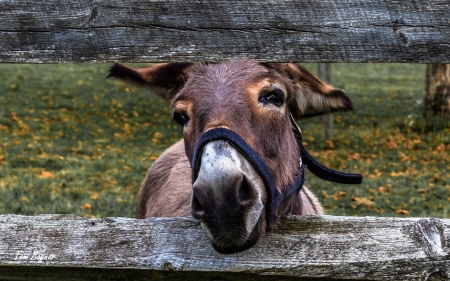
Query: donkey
238, 168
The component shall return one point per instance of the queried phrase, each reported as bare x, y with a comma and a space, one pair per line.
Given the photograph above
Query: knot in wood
168, 266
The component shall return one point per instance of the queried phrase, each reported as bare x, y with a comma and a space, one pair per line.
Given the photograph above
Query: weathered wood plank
49, 247
200, 30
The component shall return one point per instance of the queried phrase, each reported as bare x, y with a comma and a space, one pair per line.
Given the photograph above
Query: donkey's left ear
312, 95
164, 79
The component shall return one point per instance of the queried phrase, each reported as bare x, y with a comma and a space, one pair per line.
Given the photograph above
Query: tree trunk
324, 71
437, 95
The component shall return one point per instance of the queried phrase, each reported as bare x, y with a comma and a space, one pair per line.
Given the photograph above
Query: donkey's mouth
224, 245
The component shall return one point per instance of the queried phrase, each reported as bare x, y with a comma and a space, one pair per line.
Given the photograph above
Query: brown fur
226, 95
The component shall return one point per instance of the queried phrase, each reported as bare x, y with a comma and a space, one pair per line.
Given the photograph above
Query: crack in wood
432, 231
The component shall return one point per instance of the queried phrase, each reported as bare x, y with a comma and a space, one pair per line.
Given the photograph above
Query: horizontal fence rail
57, 247
87, 31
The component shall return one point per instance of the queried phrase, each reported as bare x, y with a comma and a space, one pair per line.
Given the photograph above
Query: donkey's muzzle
227, 198
238, 193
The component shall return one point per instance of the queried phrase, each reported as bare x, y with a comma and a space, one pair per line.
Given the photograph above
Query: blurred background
74, 142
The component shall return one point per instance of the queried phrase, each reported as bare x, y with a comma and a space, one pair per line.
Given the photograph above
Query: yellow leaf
395, 174
158, 135
331, 144
366, 201
338, 195
46, 175
376, 174
111, 183
422, 191
94, 196
25, 199
87, 206
402, 212
14, 116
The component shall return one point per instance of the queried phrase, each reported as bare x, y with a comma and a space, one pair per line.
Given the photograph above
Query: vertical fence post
324, 71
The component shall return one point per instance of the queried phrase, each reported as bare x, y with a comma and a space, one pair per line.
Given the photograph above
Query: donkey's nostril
246, 193
197, 209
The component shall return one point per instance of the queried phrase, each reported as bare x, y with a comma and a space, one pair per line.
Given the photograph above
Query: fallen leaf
366, 201
87, 206
46, 175
402, 212
338, 195
378, 210
395, 174
94, 196
111, 182
331, 144
14, 116
422, 191
376, 174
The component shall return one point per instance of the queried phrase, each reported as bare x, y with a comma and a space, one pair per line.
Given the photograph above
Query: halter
274, 197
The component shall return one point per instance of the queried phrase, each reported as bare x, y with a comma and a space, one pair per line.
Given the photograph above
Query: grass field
72, 141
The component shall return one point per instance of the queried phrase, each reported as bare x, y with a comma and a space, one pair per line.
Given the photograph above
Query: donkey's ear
164, 79
312, 96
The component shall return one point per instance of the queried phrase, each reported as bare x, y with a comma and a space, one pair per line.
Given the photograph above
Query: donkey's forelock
221, 79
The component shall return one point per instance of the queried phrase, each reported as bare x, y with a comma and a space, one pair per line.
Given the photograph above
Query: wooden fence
54, 31
56, 247
60, 247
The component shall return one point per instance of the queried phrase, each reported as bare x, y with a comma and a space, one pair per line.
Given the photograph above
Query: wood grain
88, 31
49, 247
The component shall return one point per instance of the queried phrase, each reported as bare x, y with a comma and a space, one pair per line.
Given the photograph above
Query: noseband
274, 197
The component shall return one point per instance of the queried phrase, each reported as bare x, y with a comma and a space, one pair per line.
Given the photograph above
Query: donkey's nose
210, 199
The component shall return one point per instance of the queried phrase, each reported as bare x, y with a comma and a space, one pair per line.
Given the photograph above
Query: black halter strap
320, 170
274, 197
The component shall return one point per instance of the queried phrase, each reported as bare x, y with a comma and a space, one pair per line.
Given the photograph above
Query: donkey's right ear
164, 79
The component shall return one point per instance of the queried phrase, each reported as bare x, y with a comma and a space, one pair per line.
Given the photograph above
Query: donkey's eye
181, 119
275, 97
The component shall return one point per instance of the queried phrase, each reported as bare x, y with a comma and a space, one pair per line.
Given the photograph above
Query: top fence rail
89, 31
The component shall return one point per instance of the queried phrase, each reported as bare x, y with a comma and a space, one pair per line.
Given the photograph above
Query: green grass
74, 142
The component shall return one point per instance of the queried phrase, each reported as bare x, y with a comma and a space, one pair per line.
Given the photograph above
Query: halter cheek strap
318, 169
274, 197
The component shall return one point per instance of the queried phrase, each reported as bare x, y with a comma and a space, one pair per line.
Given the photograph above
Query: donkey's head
252, 102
